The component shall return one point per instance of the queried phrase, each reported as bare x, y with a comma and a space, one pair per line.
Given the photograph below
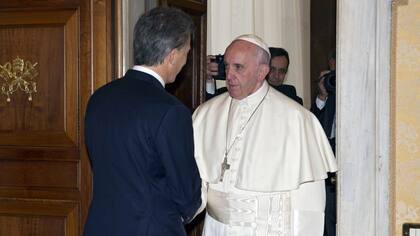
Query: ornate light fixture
18, 75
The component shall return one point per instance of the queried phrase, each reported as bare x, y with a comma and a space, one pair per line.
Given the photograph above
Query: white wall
281, 23
130, 12
363, 116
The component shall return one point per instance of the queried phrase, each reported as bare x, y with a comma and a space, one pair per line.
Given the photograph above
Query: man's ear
263, 71
170, 58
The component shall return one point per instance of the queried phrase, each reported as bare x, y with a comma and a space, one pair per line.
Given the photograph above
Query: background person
324, 109
279, 65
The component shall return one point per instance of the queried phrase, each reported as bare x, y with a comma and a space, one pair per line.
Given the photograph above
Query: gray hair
158, 32
263, 56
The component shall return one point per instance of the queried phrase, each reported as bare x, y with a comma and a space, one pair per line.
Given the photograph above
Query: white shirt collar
150, 72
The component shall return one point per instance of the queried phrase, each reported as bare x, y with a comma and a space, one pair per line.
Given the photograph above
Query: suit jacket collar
135, 74
151, 72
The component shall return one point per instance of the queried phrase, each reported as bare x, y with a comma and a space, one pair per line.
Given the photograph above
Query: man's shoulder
289, 87
139, 88
290, 91
284, 104
286, 88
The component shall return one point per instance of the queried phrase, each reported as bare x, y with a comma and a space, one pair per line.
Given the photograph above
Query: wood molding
65, 95
363, 117
45, 167
33, 210
30, 17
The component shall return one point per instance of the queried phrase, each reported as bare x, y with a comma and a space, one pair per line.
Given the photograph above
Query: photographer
324, 106
324, 109
215, 72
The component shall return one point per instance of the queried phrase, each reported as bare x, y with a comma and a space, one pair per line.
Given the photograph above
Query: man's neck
160, 70
152, 71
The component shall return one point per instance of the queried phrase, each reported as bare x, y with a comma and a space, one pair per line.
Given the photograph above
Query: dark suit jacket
140, 143
326, 118
326, 114
289, 91
218, 92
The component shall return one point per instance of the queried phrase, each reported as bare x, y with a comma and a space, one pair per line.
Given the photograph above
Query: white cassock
278, 163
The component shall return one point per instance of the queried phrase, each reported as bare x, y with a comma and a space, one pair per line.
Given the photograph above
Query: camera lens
329, 82
221, 75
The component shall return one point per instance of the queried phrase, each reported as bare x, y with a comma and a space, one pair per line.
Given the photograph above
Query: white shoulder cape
285, 145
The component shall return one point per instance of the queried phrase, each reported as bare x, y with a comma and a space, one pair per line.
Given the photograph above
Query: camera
329, 81
220, 60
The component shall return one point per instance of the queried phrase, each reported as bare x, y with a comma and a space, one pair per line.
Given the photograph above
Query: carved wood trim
68, 210
39, 17
69, 20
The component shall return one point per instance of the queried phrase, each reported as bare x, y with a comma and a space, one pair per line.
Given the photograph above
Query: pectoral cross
225, 166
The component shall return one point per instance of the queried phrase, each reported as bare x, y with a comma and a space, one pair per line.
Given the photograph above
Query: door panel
189, 84
39, 174
50, 118
60, 51
38, 217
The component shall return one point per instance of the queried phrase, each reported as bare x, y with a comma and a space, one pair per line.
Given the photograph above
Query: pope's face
243, 75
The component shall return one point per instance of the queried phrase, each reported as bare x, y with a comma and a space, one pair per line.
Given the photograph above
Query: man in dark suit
324, 109
279, 64
140, 138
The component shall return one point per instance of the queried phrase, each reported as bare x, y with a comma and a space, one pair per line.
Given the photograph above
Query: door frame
363, 117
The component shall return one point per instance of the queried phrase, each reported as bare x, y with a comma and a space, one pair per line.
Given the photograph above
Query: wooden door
189, 84
323, 38
53, 54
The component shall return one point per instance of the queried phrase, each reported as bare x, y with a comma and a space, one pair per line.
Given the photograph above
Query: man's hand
323, 94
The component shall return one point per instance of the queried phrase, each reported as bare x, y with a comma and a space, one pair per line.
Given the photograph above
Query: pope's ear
263, 71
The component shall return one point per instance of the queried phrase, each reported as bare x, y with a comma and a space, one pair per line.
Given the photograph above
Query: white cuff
319, 103
210, 86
